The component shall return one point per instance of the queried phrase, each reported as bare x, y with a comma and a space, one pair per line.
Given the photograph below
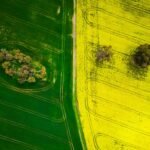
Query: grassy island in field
21, 67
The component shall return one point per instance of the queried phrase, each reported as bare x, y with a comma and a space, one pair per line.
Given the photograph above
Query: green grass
38, 116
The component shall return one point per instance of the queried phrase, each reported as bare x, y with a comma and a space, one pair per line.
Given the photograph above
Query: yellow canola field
113, 101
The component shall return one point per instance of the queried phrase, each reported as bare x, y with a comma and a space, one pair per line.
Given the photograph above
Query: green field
39, 116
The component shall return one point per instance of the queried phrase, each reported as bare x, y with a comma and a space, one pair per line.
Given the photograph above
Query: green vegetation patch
22, 67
